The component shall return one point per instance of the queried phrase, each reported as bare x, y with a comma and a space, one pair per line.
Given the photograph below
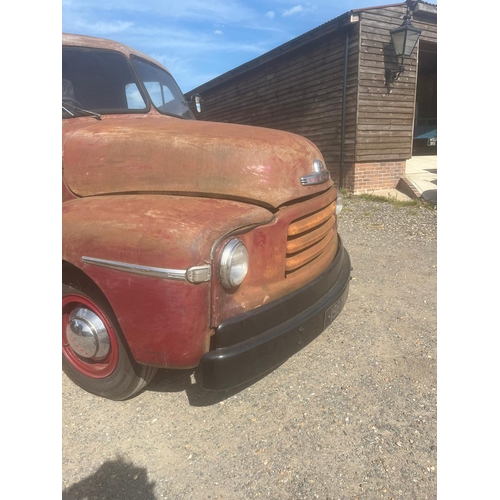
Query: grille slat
303, 258
311, 221
309, 237
301, 242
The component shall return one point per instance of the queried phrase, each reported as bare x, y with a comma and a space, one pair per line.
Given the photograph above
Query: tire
94, 353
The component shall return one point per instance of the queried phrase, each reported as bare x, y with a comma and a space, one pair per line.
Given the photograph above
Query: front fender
152, 230
165, 322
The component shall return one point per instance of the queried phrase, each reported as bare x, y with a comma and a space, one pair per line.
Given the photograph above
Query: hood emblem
319, 176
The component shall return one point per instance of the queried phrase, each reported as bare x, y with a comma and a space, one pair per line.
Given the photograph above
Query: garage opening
425, 127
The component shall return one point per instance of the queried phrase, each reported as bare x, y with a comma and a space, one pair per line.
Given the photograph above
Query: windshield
103, 81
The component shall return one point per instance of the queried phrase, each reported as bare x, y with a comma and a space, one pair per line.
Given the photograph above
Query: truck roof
69, 39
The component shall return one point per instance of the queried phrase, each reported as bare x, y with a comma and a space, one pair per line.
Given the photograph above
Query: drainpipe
344, 97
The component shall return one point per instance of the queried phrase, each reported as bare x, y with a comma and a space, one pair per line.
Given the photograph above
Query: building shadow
430, 195
115, 479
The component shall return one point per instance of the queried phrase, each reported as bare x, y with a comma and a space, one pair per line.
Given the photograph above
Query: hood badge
319, 176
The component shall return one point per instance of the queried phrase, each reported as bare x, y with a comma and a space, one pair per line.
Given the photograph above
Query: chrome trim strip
317, 178
155, 272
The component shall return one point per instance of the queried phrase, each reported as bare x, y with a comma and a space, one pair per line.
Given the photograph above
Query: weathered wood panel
427, 23
380, 108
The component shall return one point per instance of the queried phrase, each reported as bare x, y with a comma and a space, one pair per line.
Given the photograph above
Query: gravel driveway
351, 416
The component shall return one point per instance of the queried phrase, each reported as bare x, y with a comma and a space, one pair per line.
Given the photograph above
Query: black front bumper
253, 343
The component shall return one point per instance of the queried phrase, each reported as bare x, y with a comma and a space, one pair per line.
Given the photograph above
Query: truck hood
158, 154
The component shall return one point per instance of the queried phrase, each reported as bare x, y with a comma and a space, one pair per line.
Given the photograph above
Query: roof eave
425, 7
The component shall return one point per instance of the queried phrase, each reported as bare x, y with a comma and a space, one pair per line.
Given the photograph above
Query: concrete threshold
421, 178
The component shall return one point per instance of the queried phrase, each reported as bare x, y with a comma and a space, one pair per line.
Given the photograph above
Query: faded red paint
159, 231
66, 193
265, 279
162, 154
166, 323
164, 192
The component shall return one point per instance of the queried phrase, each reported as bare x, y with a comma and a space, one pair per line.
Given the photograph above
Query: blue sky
198, 40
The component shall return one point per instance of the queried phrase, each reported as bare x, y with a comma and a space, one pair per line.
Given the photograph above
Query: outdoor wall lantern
404, 38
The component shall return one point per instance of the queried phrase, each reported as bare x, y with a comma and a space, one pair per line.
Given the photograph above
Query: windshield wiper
66, 104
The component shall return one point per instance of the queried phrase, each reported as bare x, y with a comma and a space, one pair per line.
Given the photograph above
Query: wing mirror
195, 101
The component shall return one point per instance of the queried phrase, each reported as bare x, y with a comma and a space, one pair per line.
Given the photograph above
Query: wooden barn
341, 86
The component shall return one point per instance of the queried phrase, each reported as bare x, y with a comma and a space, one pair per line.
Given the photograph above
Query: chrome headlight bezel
233, 264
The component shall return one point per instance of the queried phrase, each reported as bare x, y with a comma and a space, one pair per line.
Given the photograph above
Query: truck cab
185, 243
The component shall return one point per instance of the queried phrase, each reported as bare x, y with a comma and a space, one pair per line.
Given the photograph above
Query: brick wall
366, 177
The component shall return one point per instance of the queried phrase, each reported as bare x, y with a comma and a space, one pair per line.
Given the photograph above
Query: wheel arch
74, 276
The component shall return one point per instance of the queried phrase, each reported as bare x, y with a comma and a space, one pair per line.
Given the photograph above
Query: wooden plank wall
428, 24
299, 92
385, 119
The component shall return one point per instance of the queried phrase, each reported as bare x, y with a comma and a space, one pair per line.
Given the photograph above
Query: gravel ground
351, 416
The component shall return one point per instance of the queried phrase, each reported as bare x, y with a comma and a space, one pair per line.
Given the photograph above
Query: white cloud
293, 10
199, 10
218, 32
103, 28
270, 14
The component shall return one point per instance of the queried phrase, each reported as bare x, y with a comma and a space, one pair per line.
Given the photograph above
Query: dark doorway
425, 130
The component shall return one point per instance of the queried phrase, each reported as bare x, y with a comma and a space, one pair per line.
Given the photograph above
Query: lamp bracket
391, 75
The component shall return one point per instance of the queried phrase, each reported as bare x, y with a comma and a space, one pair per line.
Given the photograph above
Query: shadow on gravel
182, 380
430, 196
114, 479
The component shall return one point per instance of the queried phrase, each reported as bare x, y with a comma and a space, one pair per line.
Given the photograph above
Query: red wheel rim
94, 369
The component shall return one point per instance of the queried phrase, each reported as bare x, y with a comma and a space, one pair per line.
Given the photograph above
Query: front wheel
95, 356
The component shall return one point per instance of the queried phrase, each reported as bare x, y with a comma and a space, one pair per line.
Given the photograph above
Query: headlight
339, 202
233, 264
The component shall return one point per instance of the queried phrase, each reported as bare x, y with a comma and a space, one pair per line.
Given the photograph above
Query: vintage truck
185, 243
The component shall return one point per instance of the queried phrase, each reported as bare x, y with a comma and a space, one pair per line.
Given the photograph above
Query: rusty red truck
185, 243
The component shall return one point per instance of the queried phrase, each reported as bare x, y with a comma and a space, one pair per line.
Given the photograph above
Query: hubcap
87, 335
